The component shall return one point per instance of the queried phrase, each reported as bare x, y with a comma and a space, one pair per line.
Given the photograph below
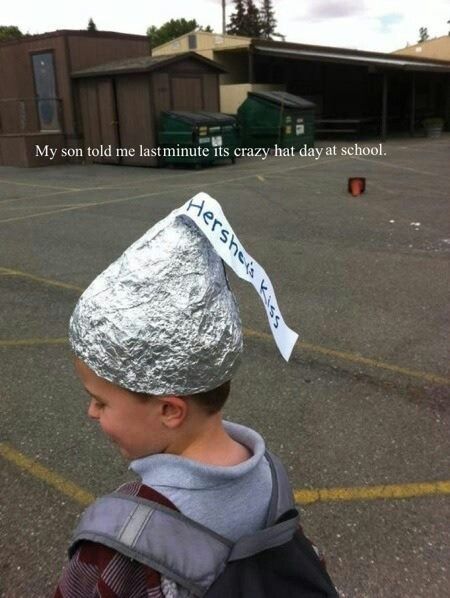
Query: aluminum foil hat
162, 318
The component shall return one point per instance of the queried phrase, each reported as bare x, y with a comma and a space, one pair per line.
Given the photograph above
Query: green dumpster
267, 118
198, 138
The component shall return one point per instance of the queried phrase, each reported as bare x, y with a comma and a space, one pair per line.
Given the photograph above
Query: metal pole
412, 114
384, 108
223, 18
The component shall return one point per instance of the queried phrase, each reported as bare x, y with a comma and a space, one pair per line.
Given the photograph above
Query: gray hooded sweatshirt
233, 501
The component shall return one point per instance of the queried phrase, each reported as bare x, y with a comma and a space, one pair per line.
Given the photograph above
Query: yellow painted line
61, 210
397, 166
33, 197
171, 189
33, 207
55, 283
375, 363
353, 358
93, 204
39, 186
48, 476
31, 342
389, 492
82, 497
350, 357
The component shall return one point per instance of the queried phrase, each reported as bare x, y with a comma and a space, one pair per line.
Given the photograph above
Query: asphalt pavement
360, 415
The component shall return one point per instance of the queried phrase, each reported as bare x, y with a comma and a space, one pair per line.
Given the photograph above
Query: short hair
209, 401
212, 401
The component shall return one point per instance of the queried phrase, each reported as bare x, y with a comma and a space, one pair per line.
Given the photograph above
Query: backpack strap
282, 499
160, 537
282, 517
267, 538
156, 536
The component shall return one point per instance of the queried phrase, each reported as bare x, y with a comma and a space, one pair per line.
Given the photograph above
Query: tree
91, 25
237, 18
172, 29
267, 19
245, 20
9, 32
253, 22
423, 33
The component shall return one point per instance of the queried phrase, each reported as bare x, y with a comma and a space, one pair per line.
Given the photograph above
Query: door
98, 113
136, 120
109, 125
187, 93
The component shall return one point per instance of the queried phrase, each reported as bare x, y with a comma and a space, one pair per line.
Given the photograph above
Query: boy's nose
93, 410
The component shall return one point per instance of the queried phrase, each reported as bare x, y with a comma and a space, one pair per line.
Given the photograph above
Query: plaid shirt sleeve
97, 571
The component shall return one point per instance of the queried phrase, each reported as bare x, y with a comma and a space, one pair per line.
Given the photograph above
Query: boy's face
135, 425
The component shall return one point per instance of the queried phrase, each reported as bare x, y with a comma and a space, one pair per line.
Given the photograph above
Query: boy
157, 339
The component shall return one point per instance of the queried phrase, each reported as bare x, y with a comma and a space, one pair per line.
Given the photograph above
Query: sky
375, 25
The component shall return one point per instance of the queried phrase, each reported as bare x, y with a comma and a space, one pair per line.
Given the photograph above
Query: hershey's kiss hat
162, 318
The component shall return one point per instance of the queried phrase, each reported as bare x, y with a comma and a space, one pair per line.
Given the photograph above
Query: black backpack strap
282, 499
270, 537
156, 536
281, 506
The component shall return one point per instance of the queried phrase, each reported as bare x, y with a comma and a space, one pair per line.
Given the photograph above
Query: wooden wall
72, 51
135, 102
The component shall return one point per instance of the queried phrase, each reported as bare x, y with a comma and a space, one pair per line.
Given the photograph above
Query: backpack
276, 561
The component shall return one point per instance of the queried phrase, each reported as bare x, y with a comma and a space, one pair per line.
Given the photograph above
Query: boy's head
142, 424
157, 336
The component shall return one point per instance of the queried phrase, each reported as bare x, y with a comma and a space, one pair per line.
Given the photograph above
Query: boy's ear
173, 411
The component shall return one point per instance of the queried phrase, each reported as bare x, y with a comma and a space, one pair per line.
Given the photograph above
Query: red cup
356, 185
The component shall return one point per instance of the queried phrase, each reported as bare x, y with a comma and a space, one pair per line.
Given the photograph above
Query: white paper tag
207, 214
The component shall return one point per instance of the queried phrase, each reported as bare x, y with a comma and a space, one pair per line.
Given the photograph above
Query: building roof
143, 64
239, 39
343, 56
437, 48
77, 32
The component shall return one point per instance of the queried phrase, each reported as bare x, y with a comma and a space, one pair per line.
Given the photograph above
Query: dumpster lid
201, 117
283, 97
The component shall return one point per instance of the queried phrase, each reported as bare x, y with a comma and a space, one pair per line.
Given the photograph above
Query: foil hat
162, 318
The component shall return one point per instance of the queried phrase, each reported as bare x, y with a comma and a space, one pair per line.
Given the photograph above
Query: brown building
354, 91
121, 102
438, 48
37, 96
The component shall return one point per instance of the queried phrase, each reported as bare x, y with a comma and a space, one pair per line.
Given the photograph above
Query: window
192, 42
45, 85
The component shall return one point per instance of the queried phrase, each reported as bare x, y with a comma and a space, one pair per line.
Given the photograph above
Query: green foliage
267, 19
9, 32
251, 21
91, 25
423, 34
171, 30
237, 19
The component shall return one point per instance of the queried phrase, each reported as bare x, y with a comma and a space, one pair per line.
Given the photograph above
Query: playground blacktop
360, 415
